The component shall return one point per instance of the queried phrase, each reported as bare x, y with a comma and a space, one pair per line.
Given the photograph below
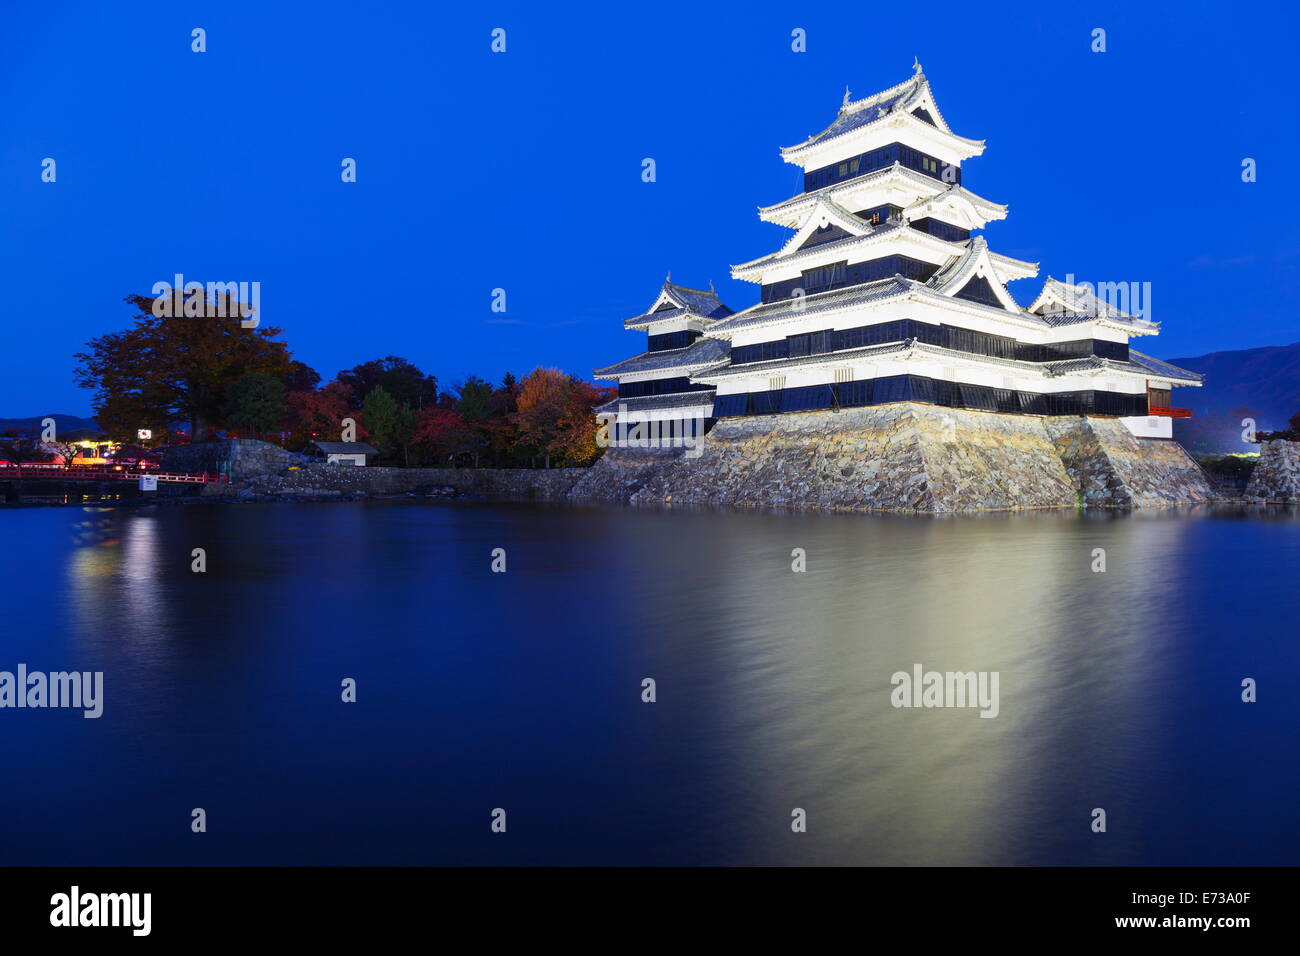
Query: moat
523, 690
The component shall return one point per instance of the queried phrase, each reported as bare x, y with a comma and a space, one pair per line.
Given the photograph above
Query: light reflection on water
476, 690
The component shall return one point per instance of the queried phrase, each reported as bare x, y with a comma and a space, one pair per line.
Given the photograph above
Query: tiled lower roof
644, 403
640, 321
1137, 365
699, 353
1059, 319
1051, 369
1162, 368
818, 302
833, 358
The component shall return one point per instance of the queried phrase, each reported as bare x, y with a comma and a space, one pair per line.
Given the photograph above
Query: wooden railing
1168, 412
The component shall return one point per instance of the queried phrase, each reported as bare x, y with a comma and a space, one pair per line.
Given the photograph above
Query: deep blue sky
522, 170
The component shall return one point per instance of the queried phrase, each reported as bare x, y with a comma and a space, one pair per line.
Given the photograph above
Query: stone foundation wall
902, 457
1112, 467
323, 480
906, 457
1277, 476
244, 456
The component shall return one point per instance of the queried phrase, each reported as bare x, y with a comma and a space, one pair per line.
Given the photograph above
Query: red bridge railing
1168, 412
36, 469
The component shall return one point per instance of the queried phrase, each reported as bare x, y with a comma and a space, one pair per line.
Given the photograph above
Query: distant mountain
65, 426
1263, 384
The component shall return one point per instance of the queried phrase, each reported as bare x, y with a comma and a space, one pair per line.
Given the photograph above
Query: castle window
826, 275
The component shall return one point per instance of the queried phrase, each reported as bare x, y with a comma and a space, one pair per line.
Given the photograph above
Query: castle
884, 296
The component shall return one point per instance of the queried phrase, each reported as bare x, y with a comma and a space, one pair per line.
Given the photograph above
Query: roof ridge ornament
845, 105
916, 65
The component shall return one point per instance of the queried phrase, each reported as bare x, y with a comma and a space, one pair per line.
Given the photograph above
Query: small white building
341, 452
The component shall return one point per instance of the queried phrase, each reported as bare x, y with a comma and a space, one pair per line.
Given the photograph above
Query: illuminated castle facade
885, 293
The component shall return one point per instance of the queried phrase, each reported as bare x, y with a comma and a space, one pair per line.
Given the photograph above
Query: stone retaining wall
903, 457
907, 457
1112, 467
1277, 476
244, 456
323, 480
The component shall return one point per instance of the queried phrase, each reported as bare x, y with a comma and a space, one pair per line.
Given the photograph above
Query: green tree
380, 414
404, 383
474, 397
255, 403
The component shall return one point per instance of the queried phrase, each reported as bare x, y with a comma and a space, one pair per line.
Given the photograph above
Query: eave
896, 181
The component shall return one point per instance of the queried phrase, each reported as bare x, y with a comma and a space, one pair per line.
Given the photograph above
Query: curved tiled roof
866, 111
817, 302
690, 303
1060, 304
837, 245
643, 403
706, 304
1162, 368
1138, 364
701, 352
762, 368
898, 169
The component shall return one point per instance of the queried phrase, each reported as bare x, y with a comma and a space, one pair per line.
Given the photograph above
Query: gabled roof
973, 264
825, 212
912, 94
957, 206
701, 352
681, 302
922, 186
836, 247
1063, 304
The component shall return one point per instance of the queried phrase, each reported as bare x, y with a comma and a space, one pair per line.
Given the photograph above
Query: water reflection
773, 686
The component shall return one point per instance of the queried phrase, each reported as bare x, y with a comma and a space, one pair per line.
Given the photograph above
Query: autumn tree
168, 367
555, 416
577, 428
442, 432
312, 414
